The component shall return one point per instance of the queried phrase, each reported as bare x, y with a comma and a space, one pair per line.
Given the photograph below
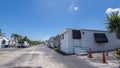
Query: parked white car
23, 44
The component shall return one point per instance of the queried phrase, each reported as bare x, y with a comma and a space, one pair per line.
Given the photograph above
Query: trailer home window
76, 34
100, 38
3, 41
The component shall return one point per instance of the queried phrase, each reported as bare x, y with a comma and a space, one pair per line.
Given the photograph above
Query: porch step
80, 51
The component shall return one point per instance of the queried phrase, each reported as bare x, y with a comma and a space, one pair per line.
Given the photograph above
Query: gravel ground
96, 61
39, 56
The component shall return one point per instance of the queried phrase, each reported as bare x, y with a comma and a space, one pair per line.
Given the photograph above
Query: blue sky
40, 19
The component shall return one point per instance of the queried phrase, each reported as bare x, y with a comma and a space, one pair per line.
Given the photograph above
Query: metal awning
100, 38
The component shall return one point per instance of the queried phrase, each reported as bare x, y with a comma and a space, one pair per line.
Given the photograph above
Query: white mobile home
51, 42
11, 42
97, 40
3, 42
57, 41
54, 42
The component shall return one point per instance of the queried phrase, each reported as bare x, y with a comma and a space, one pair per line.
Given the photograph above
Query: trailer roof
65, 30
87, 29
1, 37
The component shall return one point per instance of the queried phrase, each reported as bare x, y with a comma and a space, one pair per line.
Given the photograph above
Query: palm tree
25, 39
113, 23
1, 33
16, 37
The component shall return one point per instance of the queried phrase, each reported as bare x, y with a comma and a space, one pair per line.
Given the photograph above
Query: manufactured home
57, 41
3, 42
74, 40
6, 42
11, 42
54, 42
51, 42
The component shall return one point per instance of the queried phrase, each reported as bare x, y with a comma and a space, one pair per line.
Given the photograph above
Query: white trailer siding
11, 42
87, 41
5, 40
73, 42
51, 42
65, 43
0, 43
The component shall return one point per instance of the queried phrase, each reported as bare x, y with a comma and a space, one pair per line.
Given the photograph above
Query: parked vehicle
23, 44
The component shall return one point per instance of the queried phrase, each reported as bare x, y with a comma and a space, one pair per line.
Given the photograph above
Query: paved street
38, 57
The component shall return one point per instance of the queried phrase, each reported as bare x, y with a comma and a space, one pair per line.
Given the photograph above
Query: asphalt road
39, 56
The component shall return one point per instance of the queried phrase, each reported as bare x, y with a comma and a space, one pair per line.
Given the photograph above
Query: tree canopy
1, 33
113, 23
21, 38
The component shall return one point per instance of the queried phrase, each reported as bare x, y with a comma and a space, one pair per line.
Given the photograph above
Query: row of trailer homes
6, 42
78, 41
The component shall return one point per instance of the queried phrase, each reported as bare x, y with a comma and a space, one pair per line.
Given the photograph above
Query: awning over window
76, 34
100, 38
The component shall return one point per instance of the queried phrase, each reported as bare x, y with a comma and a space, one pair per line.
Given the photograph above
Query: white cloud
76, 8
73, 8
110, 10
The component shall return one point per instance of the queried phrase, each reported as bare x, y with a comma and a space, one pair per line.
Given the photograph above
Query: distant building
6, 42
11, 42
3, 42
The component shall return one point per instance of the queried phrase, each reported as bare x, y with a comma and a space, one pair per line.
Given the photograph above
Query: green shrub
118, 53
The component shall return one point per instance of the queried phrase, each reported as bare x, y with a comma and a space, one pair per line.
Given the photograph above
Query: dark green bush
118, 53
